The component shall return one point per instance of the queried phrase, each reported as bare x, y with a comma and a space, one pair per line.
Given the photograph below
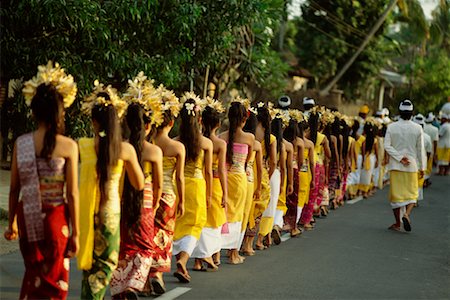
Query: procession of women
197, 181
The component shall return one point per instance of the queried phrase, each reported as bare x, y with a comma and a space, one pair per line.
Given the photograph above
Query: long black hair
136, 120
290, 133
263, 117
47, 107
190, 130
355, 128
251, 123
236, 115
210, 120
302, 125
277, 130
336, 131
313, 123
370, 136
345, 134
109, 144
327, 133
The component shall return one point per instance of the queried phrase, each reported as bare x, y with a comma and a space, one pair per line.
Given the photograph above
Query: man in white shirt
443, 147
420, 119
433, 132
404, 144
308, 104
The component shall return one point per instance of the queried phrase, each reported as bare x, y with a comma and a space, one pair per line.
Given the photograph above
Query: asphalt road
349, 255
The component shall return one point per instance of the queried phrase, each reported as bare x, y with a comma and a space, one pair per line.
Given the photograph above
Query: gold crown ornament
93, 99
296, 115
214, 104
166, 101
243, 101
51, 75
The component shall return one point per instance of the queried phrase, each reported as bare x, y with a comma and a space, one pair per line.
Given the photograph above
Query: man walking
405, 146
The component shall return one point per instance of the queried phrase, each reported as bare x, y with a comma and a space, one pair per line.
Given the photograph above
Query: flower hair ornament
51, 75
296, 115
94, 99
283, 115
141, 90
192, 108
166, 101
214, 104
243, 101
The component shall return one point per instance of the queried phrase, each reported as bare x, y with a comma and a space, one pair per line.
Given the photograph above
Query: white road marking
173, 294
285, 237
357, 199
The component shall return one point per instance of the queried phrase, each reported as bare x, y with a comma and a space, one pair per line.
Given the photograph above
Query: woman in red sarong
137, 213
43, 162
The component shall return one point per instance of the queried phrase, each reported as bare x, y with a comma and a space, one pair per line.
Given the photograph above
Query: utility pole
369, 36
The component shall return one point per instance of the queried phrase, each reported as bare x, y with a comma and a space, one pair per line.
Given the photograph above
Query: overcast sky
428, 6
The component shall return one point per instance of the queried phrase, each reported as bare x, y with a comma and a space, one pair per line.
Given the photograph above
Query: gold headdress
296, 115
93, 99
243, 101
192, 108
55, 76
214, 104
141, 90
167, 101
326, 116
283, 115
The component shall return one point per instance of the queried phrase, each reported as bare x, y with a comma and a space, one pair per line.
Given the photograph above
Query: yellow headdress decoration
141, 90
167, 101
53, 75
93, 99
214, 104
296, 115
283, 115
326, 116
243, 101
192, 108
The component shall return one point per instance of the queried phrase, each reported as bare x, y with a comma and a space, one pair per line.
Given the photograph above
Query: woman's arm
12, 232
133, 167
179, 178
73, 196
300, 150
312, 165
290, 170
157, 174
272, 158
222, 169
208, 169
282, 162
259, 167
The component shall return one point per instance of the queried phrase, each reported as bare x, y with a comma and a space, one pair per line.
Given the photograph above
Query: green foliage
329, 32
431, 82
171, 41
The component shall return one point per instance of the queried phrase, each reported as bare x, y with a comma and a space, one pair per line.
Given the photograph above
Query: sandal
394, 228
276, 236
158, 286
182, 277
406, 223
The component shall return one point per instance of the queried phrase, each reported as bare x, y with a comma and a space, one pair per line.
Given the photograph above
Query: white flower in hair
260, 104
253, 110
190, 108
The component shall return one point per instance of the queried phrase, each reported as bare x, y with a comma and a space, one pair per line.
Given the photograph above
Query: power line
329, 35
336, 19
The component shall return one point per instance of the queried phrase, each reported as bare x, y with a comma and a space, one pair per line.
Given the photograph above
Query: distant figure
404, 143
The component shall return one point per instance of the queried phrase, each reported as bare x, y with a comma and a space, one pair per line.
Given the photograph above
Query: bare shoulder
223, 135
66, 146
309, 144
288, 145
206, 143
257, 146
249, 137
152, 152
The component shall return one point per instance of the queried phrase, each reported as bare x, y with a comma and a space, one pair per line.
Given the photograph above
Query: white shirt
432, 131
361, 122
444, 136
427, 143
405, 138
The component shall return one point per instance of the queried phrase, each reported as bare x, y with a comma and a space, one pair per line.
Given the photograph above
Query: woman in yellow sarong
137, 213
103, 159
369, 151
239, 149
210, 241
171, 203
198, 188
254, 171
269, 151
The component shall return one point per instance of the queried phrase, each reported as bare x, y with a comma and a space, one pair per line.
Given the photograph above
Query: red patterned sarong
163, 233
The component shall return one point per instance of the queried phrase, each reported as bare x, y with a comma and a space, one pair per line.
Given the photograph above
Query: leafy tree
172, 41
